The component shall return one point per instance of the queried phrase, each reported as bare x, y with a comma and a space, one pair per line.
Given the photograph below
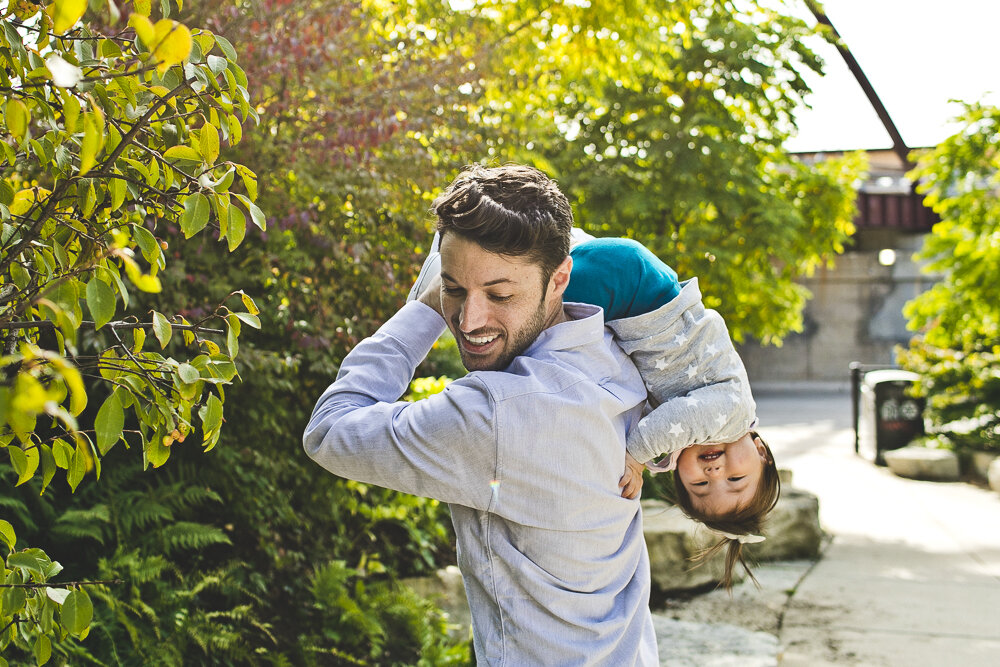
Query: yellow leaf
17, 118
143, 27
65, 13
142, 6
173, 43
93, 139
25, 199
209, 138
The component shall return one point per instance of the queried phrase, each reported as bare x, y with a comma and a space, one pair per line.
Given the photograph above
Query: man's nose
474, 313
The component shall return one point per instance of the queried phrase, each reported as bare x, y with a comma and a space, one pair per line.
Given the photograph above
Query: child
702, 409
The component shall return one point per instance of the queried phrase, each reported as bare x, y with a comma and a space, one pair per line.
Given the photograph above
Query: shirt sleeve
441, 447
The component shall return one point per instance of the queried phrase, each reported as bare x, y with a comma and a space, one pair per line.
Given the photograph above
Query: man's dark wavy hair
511, 210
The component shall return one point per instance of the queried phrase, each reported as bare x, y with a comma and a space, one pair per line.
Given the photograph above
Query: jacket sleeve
698, 386
441, 447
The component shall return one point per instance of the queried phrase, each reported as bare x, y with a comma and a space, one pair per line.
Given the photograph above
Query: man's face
495, 305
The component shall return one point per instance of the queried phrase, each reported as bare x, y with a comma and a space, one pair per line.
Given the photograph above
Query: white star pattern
692, 371
680, 339
711, 348
691, 400
720, 419
675, 429
661, 364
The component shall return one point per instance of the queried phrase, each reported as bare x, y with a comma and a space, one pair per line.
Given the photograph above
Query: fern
187, 535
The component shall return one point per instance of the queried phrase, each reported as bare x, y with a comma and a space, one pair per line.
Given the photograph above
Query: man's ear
560, 278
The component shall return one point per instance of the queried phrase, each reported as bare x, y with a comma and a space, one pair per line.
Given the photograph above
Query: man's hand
432, 295
631, 481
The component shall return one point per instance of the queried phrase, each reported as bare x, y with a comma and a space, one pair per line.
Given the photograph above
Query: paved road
911, 575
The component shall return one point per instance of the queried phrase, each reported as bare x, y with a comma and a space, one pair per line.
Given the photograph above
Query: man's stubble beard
521, 341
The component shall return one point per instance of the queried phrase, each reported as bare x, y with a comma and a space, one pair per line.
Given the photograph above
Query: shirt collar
585, 326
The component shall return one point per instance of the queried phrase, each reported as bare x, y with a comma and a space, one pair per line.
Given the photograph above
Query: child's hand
631, 481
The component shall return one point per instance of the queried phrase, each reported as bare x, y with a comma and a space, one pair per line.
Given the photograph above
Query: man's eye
451, 291
501, 298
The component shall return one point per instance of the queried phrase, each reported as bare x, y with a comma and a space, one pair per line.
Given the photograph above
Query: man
528, 448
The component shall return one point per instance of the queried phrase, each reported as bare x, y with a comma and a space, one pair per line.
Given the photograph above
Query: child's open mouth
710, 456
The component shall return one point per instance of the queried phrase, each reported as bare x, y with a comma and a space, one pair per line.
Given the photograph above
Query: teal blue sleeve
621, 276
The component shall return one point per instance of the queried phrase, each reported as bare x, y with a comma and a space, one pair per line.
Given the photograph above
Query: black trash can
889, 418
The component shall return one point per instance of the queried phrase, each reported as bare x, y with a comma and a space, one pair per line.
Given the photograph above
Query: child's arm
697, 382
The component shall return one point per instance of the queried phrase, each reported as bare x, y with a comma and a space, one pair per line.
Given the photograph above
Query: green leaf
211, 415
208, 141
195, 215
147, 243
252, 320
77, 612
77, 468
7, 534
26, 561
65, 13
109, 423
161, 329
156, 453
57, 595
118, 189
17, 118
48, 466
32, 459
42, 650
188, 373
226, 46
101, 301
237, 227
180, 153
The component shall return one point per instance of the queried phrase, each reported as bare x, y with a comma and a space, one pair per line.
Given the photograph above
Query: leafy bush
957, 349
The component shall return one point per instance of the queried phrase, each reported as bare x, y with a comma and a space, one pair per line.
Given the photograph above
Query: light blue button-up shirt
553, 558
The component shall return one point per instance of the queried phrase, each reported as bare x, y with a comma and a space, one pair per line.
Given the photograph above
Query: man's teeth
480, 340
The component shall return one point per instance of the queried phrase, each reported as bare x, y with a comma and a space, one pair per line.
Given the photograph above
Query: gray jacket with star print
698, 387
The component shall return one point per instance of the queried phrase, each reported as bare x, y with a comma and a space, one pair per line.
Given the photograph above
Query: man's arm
442, 447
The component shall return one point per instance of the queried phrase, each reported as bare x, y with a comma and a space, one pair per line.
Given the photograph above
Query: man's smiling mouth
480, 340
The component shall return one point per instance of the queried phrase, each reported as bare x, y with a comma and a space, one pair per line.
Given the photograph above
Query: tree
109, 134
957, 349
664, 122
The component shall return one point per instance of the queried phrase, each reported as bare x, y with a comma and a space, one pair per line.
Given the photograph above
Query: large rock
994, 475
673, 540
980, 464
792, 529
924, 463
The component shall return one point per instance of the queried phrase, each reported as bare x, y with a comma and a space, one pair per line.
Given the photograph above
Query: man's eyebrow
498, 281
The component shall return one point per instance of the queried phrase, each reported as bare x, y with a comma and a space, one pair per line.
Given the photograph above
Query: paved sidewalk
910, 574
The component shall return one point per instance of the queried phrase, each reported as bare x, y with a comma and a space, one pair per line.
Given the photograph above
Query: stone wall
855, 314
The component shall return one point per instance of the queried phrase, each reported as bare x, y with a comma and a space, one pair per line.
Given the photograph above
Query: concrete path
910, 574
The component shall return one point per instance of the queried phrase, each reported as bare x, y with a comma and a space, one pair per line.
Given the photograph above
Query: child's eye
700, 484
736, 479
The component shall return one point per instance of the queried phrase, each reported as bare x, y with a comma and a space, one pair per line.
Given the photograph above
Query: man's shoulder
553, 374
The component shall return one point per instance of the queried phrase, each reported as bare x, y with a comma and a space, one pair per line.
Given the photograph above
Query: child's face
721, 478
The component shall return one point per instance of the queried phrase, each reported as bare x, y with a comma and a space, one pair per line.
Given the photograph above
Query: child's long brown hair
747, 520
